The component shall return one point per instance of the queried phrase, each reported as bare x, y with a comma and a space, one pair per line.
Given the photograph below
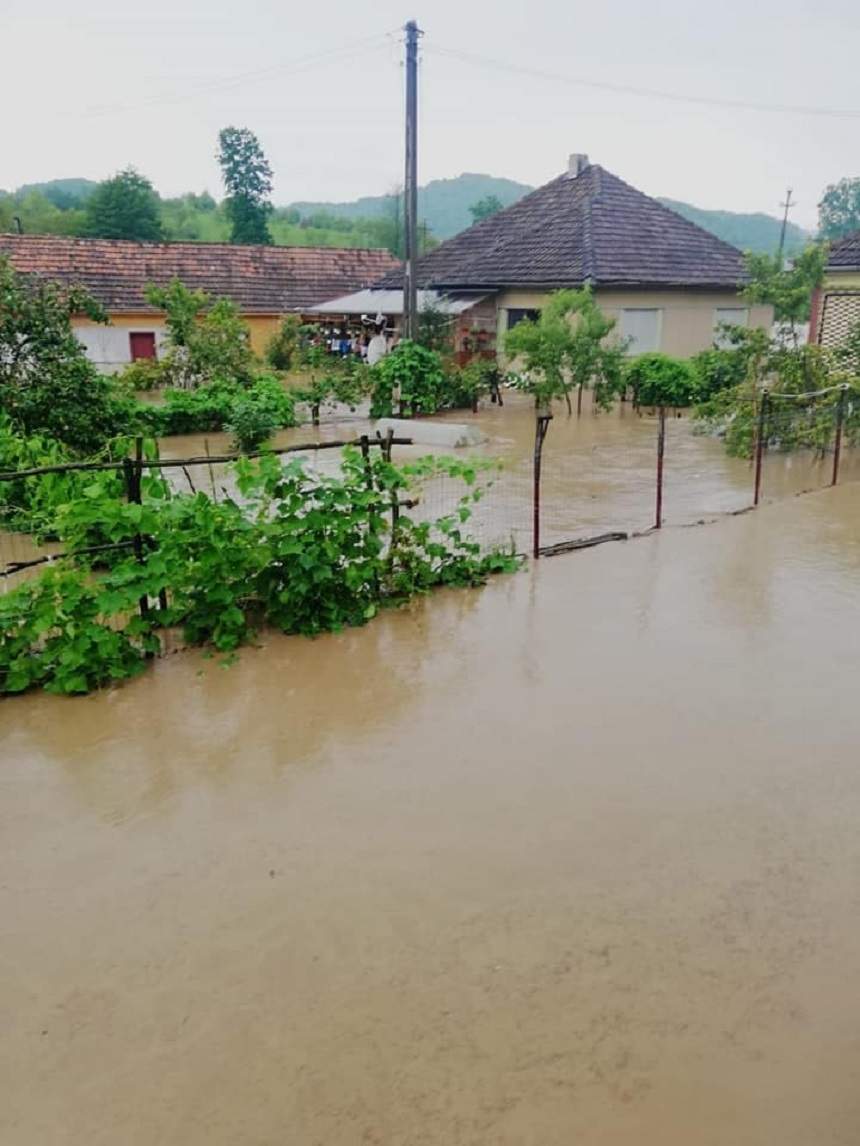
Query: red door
141, 344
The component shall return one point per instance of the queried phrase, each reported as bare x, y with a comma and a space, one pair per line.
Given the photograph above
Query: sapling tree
568, 348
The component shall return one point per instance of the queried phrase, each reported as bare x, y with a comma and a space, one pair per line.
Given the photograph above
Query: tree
485, 207
124, 207
248, 182
47, 384
206, 340
787, 289
839, 209
566, 349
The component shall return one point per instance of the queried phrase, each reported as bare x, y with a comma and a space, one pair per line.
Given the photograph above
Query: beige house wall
109, 348
841, 280
687, 318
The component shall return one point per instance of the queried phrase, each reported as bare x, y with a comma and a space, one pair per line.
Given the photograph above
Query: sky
91, 87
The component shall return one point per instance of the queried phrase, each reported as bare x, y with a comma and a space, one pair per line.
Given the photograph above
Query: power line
342, 54
642, 92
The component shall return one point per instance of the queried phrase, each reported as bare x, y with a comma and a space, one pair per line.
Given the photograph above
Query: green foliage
213, 406
124, 207
47, 384
567, 348
473, 381
248, 183
718, 369
436, 330
303, 553
283, 349
417, 372
839, 209
34, 504
206, 339
799, 416
787, 289
658, 380
258, 412
333, 382
484, 208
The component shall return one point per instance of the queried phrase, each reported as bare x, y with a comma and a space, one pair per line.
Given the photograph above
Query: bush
145, 374
210, 408
425, 384
716, 370
258, 412
282, 351
658, 380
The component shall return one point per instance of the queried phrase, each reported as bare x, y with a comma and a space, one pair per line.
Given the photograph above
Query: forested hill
443, 204
58, 207
754, 232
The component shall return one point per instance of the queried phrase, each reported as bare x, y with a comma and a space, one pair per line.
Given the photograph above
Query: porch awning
390, 302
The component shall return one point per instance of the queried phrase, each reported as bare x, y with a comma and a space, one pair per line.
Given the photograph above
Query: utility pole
410, 184
787, 205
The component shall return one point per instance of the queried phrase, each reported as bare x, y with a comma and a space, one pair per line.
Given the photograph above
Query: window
728, 316
641, 327
141, 344
516, 314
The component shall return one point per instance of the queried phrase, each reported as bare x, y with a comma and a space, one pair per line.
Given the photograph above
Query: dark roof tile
594, 228
845, 252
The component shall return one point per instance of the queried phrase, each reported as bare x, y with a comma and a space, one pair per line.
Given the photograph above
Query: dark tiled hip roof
590, 228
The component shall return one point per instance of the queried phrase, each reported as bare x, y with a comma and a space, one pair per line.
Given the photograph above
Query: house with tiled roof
265, 283
836, 304
668, 283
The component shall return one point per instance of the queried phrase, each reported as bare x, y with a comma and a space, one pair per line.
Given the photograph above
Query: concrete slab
448, 435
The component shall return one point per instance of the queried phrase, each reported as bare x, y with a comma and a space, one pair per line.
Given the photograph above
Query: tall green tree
124, 207
484, 208
839, 209
248, 182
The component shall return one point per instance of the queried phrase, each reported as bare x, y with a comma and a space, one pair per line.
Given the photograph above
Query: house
836, 303
668, 283
265, 283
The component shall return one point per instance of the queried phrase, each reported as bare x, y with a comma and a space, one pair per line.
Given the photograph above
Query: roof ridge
172, 244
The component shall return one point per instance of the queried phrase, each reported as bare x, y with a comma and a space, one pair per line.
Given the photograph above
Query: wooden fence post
661, 449
542, 422
759, 444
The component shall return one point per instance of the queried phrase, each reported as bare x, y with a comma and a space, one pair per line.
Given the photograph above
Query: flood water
569, 859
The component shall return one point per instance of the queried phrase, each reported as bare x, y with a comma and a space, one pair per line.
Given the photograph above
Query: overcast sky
92, 86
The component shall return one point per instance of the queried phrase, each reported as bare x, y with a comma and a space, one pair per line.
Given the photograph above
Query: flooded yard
570, 859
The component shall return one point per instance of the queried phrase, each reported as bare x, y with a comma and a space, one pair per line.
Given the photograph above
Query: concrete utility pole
410, 184
787, 205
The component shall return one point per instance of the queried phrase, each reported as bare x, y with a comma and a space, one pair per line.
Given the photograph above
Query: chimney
576, 164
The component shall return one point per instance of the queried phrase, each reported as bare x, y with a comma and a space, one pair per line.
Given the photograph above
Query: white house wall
109, 347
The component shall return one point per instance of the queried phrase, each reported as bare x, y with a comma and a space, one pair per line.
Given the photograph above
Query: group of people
370, 342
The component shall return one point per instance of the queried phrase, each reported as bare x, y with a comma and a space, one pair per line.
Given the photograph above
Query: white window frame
633, 350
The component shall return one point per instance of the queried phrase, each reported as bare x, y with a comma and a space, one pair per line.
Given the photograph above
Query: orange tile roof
260, 280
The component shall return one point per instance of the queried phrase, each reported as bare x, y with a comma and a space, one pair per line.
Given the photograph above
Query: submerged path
570, 859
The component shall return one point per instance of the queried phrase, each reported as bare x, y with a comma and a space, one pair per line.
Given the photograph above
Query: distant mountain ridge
443, 204
748, 232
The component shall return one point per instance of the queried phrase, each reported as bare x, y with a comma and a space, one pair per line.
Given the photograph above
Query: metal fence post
759, 444
541, 426
661, 449
840, 422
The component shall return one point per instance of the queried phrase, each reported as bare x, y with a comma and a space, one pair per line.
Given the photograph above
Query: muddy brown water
570, 859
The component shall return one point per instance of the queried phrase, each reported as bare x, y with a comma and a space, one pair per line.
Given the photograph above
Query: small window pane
517, 314
728, 316
642, 328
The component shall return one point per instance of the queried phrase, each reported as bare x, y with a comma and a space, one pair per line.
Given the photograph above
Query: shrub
658, 380
211, 407
716, 370
282, 351
419, 374
145, 374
